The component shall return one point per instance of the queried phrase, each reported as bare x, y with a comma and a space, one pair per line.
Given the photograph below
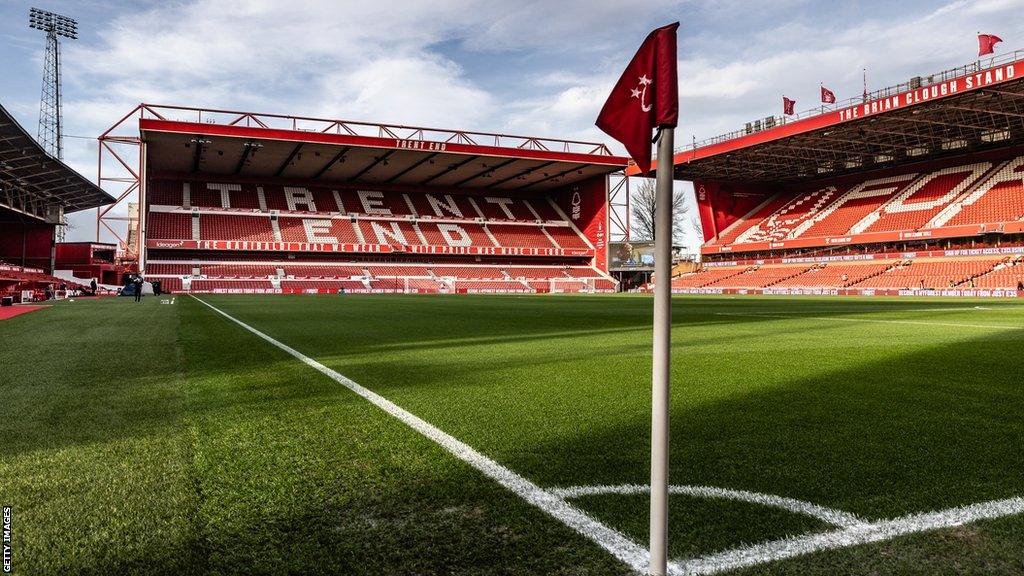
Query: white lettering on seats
503, 204
394, 232
373, 202
224, 189
448, 205
455, 235
338, 202
318, 231
900, 204
779, 225
1007, 173
867, 189
299, 197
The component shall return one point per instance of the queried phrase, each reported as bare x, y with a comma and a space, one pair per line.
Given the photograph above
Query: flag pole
660, 374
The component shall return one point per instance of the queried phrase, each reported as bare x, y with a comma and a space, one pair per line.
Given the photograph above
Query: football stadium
308, 345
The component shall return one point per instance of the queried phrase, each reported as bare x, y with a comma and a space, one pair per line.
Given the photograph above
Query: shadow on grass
927, 430
934, 427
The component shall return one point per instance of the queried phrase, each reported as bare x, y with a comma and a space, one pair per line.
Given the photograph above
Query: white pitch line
870, 320
846, 537
621, 547
827, 515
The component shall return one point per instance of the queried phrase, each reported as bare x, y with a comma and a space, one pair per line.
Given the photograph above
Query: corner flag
645, 97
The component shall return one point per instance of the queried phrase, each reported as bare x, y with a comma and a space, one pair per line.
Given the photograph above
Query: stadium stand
706, 277
241, 201
469, 273
176, 226
917, 204
173, 223
1000, 199
760, 277
242, 228
205, 211
375, 277
36, 191
899, 203
888, 193
835, 275
18, 280
1004, 276
911, 274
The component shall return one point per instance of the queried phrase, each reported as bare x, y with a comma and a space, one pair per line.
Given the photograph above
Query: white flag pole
660, 375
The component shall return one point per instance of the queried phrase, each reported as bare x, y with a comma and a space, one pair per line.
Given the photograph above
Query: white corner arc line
846, 537
827, 515
869, 320
621, 547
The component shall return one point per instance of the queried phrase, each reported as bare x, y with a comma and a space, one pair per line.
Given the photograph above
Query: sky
541, 68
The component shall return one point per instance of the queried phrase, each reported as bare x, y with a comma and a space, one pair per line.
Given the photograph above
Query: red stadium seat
957, 195
365, 221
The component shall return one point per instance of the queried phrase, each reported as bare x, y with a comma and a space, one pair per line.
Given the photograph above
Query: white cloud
419, 90
567, 25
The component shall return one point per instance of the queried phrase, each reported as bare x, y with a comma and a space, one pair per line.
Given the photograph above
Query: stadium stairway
1008, 261
1004, 275
729, 276
866, 278
761, 277
800, 273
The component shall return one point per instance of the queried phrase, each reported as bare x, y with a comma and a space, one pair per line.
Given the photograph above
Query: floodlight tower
55, 26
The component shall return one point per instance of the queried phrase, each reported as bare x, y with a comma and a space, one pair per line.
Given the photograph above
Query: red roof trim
148, 124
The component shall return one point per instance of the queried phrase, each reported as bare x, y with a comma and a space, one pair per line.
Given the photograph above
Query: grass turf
166, 439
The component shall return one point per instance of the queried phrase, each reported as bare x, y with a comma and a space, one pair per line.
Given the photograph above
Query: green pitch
165, 439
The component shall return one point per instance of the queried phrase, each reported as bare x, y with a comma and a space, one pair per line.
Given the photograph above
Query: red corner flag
645, 97
827, 96
787, 106
987, 43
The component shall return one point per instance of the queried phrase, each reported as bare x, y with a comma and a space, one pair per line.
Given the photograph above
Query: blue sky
531, 67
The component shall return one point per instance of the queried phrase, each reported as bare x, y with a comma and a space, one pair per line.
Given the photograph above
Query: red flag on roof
827, 96
987, 43
787, 106
645, 97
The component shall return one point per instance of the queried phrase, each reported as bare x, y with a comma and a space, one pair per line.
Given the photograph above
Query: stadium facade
237, 202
